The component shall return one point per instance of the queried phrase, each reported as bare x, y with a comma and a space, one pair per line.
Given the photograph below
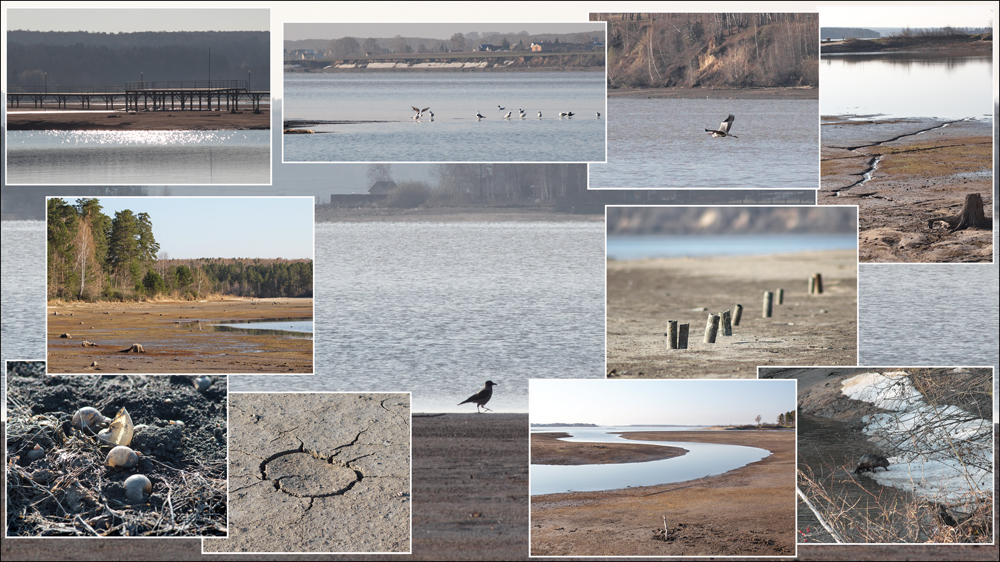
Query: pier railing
188, 85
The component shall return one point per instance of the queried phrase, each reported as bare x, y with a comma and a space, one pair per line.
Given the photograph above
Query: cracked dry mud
318, 472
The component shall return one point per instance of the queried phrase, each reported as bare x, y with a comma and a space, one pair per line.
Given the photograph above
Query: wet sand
176, 337
918, 177
63, 120
546, 448
805, 330
749, 511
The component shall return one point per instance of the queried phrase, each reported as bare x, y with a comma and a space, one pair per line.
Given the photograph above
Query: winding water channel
702, 459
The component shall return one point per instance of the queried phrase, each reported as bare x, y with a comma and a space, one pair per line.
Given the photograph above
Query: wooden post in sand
682, 336
727, 323
672, 333
712, 328
781, 296
816, 284
736, 317
768, 300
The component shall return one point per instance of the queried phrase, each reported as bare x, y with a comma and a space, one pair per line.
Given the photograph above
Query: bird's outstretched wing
727, 124
423, 110
417, 109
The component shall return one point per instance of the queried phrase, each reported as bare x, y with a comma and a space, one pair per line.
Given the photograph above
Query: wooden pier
192, 95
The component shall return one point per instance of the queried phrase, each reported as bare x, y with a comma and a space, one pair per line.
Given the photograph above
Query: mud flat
749, 511
176, 337
916, 177
546, 448
806, 330
94, 120
318, 472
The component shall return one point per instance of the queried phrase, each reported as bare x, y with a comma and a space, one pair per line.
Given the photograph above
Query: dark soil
180, 436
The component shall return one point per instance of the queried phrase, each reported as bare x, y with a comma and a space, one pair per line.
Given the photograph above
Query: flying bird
724, 128
418, 110
482, 397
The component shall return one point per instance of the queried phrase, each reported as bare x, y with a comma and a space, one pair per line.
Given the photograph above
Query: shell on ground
137, 487
122, 457
88, 418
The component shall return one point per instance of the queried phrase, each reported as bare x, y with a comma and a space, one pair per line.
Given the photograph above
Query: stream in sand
701, 460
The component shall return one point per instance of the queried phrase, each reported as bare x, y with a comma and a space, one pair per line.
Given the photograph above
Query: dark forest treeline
92, 256
84, 59
715, 50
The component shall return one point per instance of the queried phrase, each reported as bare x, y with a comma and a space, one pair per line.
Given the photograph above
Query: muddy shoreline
749, 511
546, 448
177, 337
805, 330
118, 120
919, 169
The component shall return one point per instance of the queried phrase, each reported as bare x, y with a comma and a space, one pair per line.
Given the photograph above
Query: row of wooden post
677, 334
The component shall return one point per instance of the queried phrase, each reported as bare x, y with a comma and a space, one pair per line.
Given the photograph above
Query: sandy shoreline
94, 120
917, 178
749, 511
805, 330
546, 448
176, 337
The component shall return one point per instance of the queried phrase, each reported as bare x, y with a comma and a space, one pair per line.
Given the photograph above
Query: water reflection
270, 327
907, 85
702, 459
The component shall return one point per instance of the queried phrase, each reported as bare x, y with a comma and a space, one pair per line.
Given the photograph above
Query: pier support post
727, 323
768, 301
737, 315
672, 333
712, 328
682, 336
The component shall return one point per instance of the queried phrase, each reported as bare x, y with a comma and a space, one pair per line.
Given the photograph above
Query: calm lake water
702, 459
454, 134
270, 327
907, 85
661, 143
440, 308
664, 246
138, 157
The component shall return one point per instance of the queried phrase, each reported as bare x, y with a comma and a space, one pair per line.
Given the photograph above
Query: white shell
122, 428
202, 383
88, 418
137, 487
123, 457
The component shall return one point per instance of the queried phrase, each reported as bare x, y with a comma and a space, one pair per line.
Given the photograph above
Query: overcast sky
231, 227
935, 15
295, 31
659, 402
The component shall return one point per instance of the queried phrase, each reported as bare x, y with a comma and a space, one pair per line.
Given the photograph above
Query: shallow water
666, 246
702, 459
892, 85
661, 143
138, 157
453, 134
439, 308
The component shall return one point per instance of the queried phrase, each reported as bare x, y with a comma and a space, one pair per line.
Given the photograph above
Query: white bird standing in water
724, 128
500, 108
508, 115
479, 115
539, 114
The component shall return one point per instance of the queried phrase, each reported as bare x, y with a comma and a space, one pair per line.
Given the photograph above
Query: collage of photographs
499, 280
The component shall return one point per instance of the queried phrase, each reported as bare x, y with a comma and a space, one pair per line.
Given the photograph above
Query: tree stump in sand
136, 348
972, 216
